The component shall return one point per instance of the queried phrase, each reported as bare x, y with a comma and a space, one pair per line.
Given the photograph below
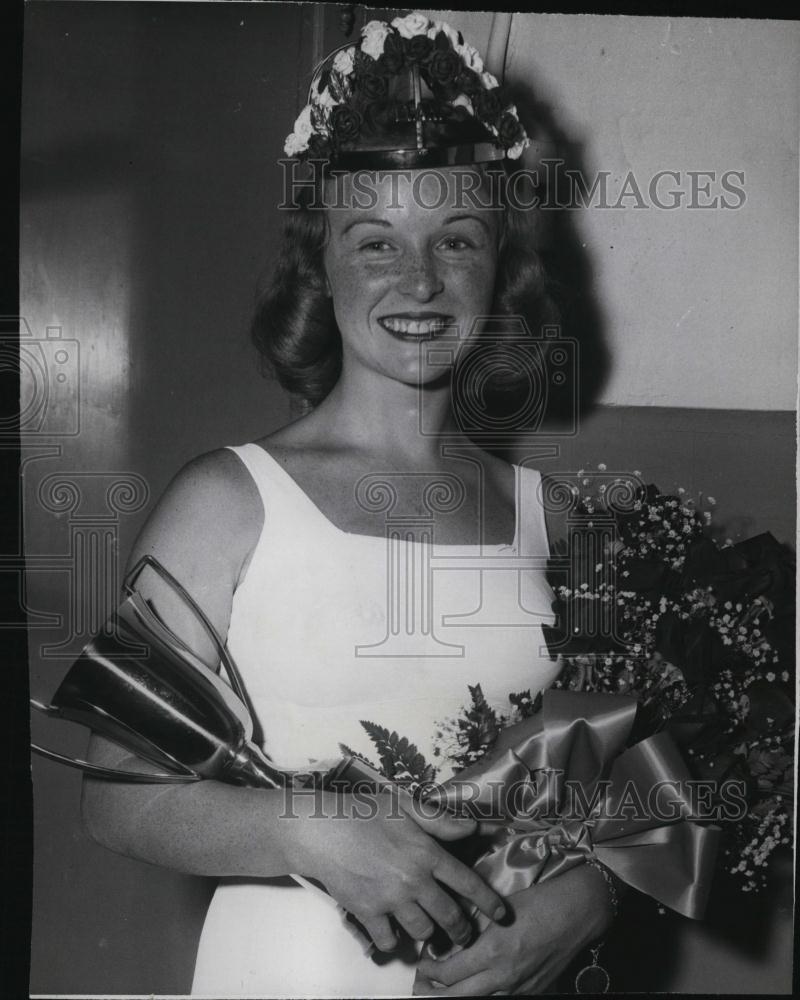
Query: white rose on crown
373, 35
294, 146
297, 142
471, 57
411, 25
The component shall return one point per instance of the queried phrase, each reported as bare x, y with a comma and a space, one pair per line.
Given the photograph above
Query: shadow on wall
564, 255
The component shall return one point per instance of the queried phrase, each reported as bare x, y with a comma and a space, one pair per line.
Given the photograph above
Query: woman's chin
426, 377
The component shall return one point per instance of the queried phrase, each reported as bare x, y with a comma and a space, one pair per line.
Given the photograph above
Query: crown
408, 94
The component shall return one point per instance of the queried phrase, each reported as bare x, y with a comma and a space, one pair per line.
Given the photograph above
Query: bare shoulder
211, 512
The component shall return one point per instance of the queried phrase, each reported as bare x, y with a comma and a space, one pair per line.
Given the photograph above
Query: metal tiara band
412, 158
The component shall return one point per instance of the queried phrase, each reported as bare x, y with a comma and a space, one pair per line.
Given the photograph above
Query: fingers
415, 920
469, 885
380, 930
483, 984
448, 915
462, 965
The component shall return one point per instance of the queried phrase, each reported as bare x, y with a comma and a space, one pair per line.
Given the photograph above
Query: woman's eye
455, 243
376, 245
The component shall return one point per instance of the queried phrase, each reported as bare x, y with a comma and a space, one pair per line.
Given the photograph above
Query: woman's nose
419, 278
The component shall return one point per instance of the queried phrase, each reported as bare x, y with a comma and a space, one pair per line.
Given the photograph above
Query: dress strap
532, 526
266, 473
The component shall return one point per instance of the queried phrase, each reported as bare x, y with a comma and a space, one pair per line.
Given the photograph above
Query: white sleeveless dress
323, 639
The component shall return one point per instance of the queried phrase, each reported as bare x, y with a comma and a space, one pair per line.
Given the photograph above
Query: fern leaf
347, 751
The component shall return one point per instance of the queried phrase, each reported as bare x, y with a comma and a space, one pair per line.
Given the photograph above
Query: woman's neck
383, 416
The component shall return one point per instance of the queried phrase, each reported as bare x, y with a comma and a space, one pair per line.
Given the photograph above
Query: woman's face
403, 275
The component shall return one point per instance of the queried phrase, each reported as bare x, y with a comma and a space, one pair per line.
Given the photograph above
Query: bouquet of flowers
703, 638
699, 633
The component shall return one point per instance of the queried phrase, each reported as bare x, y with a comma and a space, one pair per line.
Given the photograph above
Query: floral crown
407, 94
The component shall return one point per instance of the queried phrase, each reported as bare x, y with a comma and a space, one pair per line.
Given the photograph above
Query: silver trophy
139, 685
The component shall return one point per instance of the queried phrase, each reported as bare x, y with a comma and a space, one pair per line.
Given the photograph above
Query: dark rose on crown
488, 105
469, 82
509, 129
418, 49
379, 114
444, 67
393, 57
345, 123
373, 87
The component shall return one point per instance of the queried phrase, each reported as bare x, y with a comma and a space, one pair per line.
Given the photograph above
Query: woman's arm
203, 531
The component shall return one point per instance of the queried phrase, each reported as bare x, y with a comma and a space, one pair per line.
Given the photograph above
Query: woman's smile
417, 326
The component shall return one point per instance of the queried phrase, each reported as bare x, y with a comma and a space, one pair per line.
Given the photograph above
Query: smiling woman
334, 522
369, 561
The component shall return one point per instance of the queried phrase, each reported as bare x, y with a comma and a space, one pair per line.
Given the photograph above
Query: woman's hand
378, 858
552, 922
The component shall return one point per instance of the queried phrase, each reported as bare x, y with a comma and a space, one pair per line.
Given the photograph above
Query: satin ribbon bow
560, 787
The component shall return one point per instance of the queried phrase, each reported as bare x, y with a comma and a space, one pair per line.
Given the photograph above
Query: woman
328, 622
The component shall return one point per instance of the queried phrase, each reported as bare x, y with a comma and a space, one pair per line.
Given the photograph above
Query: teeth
416, 327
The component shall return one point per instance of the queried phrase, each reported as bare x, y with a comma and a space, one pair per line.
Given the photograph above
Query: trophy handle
227, 660
184, 775
136, 777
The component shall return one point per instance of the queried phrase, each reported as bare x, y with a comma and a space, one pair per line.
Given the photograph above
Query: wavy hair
294, 328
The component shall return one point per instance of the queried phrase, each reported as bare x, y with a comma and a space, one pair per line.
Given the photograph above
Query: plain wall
698, 305
149, 215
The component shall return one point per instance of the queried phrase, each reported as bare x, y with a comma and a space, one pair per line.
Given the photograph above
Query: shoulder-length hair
294, 328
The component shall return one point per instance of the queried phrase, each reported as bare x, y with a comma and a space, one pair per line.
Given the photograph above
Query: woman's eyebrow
366, 222
463, 217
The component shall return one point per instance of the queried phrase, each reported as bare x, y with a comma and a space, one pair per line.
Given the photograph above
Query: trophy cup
166, 705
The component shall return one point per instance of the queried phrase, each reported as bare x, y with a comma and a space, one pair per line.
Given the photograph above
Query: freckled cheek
357, 290
472, 286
